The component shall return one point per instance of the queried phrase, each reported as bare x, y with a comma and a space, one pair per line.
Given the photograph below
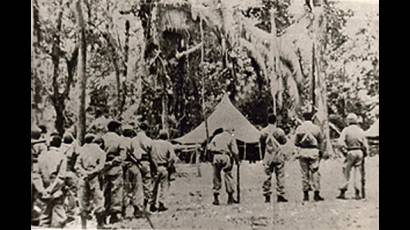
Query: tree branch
178, 55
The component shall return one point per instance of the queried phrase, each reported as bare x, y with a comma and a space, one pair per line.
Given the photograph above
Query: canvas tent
224, 113
373, 131
246, 134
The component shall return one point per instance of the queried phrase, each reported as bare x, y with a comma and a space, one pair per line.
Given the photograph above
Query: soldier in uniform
309, 140
48, 179
273, 160
355, 148
225, 152
69, 149
90, 163
141, 154
132, 174
38, 147
113, 178
164, 156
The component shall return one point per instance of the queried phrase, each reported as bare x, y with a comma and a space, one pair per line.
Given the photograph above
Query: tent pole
260, 150
198, 166
244, 151
203, 85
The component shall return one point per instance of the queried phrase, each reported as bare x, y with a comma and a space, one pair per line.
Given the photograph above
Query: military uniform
48, 179
309, 140
164, 156
71, 181
132, 178
225, 150
354, 141
91, 161
273, 161
141, 150
113, 178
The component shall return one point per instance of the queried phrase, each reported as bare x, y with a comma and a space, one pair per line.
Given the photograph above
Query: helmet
351, 118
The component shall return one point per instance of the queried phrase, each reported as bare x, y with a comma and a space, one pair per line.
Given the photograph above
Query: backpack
308, 139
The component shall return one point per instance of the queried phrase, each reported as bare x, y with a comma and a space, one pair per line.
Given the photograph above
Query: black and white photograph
205, 114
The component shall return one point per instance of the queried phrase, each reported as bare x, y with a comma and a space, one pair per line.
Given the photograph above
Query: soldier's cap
127, 127
143, 125
89, 138
163, 134
351, 118
113, 125
98, 140
68, 137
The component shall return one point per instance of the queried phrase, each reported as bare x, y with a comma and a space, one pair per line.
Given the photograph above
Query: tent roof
373, 131
225, 113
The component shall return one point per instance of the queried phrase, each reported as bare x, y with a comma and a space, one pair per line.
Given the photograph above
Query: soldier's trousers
53, 213
161, 185
222, 162
353, 161
71, 182
279, 169
90, 190
113, 192
309, 165
147, 184
133, 186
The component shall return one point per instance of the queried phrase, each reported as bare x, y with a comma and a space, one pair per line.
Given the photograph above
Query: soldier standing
225, 152
48, 179
38, 147
69, 149
113, 178
273, 160
141, 153
90, 163
132, 174
355, 148
309, 140
164, 156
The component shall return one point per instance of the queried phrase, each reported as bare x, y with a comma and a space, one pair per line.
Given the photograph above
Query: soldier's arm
36, 179
60, 178
78, 167
234, 150
172, 155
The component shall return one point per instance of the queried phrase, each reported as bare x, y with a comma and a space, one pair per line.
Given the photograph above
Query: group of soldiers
310, 150
122, 168
110, 173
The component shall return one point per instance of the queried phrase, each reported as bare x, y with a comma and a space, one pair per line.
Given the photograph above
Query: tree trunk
81, 74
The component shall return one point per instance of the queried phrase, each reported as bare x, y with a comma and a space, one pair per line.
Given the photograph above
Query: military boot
152, 208
357, 194
115, 217
137, 212
305, 195
231, 200
162, 207
317, 196
267, 198
281, 199
100, 217
83, 221
342, 194
216, 200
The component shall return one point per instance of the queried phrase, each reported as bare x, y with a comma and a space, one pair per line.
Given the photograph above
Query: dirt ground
191, 197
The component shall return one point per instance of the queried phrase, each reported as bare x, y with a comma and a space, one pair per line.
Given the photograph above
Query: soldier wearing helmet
225, 151
354, 147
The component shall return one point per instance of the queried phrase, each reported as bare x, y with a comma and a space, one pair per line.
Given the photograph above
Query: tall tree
81, 72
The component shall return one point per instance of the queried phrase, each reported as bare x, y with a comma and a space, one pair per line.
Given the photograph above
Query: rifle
33, 142
363, 181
